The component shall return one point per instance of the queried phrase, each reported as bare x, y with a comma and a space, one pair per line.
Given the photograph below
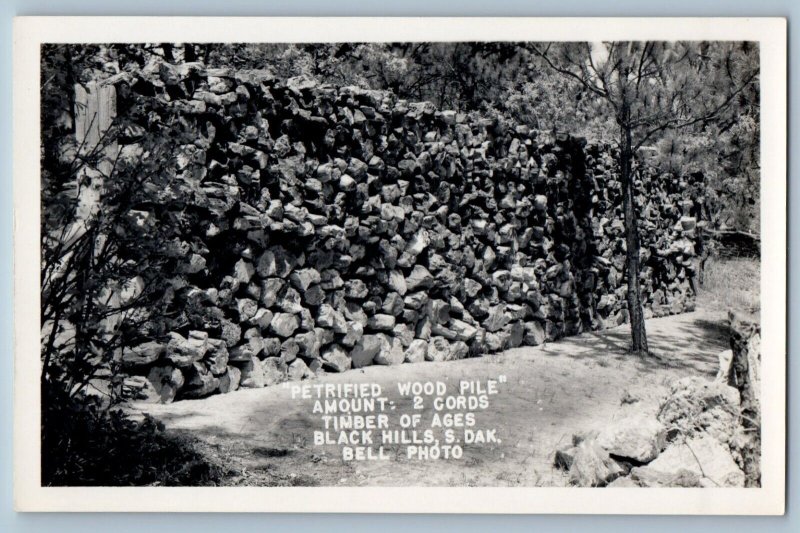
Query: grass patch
731, 284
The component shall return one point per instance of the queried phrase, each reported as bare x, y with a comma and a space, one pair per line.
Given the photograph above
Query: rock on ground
166, 381
640, 438
591, 466
703, 456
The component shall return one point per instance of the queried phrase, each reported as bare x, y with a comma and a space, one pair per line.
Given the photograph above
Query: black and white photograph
402, 263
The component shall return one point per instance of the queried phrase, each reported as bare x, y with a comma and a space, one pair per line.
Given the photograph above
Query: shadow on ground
551, 392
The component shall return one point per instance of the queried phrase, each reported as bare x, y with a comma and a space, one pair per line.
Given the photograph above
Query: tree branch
569, 73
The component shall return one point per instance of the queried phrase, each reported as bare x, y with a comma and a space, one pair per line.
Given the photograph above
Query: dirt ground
552, 391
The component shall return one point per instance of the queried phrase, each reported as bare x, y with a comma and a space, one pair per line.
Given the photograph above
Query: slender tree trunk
635, 311
189, 53
167, 49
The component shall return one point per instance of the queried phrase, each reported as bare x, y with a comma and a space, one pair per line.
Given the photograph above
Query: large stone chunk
298, 370
289, 349
438, 329
592, 466
472, 287
534, 334
290, 301
355, 288
353, 334
139, 389
497, 318
328, 317
271, 346
304, 278
418, 243
217, 356
252, 374
514, 334
525, 275
391, 352
381, 322
365, 350
416, 351
458, 350
335, 358
416, 300
355, 312
391, 212
194, 264
705, 457
275, 261
331, 280
647, 477
243, 271
419, 278
306, 320
142, 354
463, 331
230, 332
274, 370
200, 382
397, 282
347, 183
314, 296
229, 381
243, 352
393, 304
438, 311
688, 223
183, 352
247, 308
284, 324
167, 381
255, 340
438, 349
640, 438
495, 342
404, 333
309, 344
270, 289
501, 279
423, 329
262, 318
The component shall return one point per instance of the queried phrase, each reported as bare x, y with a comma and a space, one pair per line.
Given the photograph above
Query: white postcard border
30, 32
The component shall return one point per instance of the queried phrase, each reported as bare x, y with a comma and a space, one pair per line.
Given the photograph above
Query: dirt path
552, 391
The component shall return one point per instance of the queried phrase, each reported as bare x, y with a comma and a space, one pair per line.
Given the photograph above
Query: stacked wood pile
334, 228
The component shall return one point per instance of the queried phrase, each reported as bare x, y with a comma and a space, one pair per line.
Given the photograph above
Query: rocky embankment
706, 433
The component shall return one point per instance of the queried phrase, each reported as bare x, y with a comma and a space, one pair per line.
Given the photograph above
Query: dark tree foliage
105, 278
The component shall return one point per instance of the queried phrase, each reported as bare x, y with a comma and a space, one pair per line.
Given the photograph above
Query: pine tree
651, 88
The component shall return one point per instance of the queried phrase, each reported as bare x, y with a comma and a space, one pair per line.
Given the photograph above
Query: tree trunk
635, 311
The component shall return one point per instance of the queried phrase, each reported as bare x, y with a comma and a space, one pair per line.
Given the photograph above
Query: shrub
84, 444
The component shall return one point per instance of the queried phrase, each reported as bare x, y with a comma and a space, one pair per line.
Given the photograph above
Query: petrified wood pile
340, 227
